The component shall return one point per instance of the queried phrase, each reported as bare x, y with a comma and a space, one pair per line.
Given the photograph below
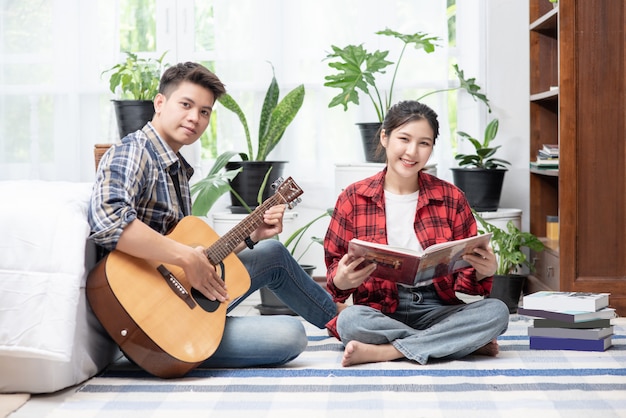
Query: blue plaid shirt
133, 182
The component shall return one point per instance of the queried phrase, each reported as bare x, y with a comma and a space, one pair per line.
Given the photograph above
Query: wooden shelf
548, 23
585, 116
551, 95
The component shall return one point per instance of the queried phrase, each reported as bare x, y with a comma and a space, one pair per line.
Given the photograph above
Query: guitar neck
230, 240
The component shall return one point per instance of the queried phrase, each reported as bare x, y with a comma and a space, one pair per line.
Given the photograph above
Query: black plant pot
271, 305
370, 140
482, 187
132, 115
248, 182
508, 288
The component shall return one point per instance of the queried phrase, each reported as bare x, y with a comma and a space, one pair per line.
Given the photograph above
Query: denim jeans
273, 340
423, 328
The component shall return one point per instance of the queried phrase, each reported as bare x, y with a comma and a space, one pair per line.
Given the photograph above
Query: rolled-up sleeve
114, 194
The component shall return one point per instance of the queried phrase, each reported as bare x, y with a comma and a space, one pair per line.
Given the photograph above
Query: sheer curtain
54, 106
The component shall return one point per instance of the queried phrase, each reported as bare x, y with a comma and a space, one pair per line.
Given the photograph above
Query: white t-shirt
400, 217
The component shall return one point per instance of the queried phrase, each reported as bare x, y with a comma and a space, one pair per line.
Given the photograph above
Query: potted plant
274, 119
217, 182
480, 175
508, 282
135, 82
270, 304
357, 69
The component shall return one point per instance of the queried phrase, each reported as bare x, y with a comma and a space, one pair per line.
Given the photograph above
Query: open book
409, 267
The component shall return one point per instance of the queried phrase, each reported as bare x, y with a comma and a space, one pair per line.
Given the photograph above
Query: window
54, 105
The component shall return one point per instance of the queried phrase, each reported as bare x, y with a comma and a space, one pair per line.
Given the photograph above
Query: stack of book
569, 320
547, 157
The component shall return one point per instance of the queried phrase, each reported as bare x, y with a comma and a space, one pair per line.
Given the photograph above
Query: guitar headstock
288, 191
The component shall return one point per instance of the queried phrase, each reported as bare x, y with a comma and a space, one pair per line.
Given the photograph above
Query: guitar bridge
176, 286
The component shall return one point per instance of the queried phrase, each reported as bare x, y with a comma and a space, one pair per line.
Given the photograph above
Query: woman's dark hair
404, 112
193, 73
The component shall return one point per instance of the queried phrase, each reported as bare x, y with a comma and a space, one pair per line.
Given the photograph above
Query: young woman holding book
404, 206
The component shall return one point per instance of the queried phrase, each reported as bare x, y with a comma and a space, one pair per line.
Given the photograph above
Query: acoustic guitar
151, 311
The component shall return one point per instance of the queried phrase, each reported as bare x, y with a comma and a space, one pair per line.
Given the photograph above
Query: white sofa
49, 338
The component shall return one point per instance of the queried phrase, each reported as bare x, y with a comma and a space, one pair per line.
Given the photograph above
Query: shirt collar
167, 157
429, 189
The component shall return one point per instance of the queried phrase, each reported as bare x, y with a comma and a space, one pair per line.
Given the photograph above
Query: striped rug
519, 382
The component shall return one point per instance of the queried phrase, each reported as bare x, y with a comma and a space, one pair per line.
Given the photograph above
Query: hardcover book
566, 301
409, 267
580, 334
548, 343
552, 323
572, 316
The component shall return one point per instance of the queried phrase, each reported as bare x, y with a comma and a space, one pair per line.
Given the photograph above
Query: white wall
507, 82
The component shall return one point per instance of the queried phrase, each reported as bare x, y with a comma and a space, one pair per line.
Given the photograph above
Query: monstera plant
356, 71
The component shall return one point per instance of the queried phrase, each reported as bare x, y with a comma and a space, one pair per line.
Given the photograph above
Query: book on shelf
543, 155
543, 167
550, 343
409, 267
553, 323
551, 149
546, 162
566, 301
572, 316
579, 334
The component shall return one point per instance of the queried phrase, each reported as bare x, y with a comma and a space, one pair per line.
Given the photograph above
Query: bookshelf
577, 99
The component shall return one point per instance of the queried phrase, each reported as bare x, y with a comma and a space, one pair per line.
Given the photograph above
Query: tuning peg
277, 183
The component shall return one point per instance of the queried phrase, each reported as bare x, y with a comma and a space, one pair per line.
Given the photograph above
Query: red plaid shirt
442, 215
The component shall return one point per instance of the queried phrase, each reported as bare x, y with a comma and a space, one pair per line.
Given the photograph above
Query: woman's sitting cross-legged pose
405, 207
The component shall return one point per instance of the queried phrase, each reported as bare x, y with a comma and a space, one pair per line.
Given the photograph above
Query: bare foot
358, 353
490, 349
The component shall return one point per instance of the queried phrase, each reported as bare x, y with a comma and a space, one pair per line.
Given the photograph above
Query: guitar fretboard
230, 240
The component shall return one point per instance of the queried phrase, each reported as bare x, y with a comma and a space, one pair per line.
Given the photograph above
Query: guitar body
150, 310
151, 324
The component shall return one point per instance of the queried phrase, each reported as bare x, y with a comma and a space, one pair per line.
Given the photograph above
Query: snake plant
275, 118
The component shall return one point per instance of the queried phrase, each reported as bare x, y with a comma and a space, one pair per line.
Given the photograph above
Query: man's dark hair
194, 73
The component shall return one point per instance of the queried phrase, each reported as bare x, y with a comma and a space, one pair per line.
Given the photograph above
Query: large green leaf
356, 70
420, 40
208, 190
490, 132
229, 103
282, 115
269, 104
470, 86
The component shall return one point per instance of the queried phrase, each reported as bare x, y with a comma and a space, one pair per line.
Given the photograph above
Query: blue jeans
273, 340
423, 328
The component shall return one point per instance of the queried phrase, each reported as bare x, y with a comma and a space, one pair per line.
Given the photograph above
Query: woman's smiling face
408, 148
